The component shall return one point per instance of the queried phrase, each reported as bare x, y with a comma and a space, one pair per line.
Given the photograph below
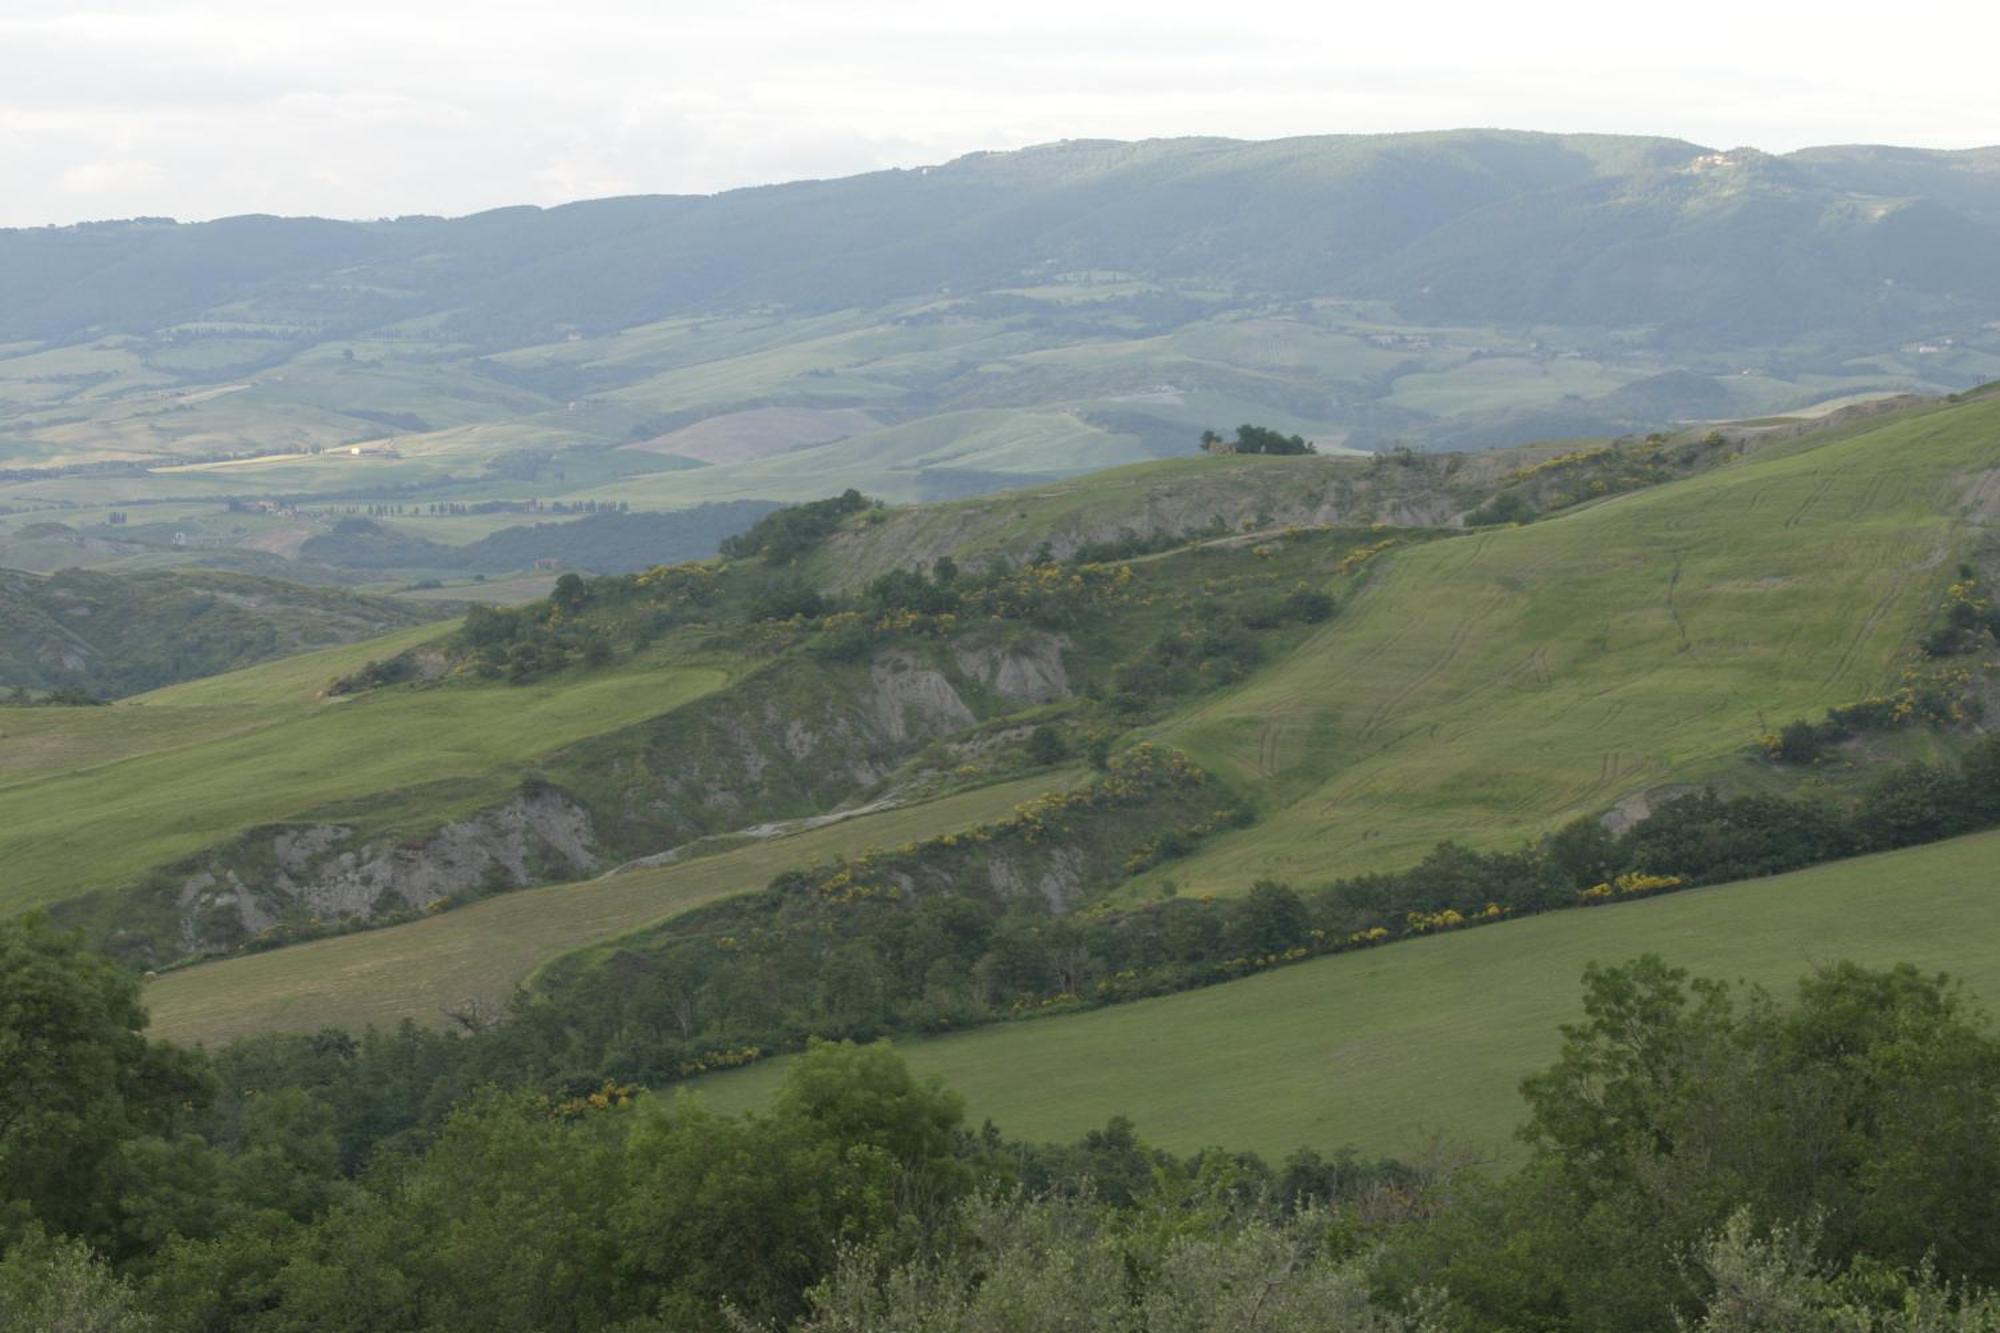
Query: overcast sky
365, 108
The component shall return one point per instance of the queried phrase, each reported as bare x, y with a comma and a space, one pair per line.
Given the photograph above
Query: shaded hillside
118, 634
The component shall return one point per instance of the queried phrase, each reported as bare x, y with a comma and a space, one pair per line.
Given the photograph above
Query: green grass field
1383, 1049
90, 798
483, 952
1488, 688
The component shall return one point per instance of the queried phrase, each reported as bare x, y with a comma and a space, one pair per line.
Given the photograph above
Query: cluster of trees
1043, 593
784, 536
1506, 507
530, 642
1921, 699
1258, 440
769, 607
1698, 1157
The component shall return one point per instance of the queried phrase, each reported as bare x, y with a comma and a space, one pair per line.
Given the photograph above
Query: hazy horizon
197, 109
918, 165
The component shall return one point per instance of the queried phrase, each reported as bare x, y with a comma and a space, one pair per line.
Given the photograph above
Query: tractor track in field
1673, 582
1460, 634
1982, 499
1611, 771
1271, 741
1798, 515
1876, 615
1866, 504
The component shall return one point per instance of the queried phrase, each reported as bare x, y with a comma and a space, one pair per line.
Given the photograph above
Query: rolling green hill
1484, 687
1383, 1049
416, 772
1488, 688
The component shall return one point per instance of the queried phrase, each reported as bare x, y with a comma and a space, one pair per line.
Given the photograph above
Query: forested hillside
106, 635
1404, 218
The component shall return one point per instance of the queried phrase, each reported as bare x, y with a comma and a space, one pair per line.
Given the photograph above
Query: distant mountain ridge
1844, 245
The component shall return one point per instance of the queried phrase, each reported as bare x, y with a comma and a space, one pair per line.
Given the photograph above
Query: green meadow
1390, 1048
1491, 687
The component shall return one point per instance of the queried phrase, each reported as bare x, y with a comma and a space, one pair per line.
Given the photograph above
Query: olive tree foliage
1774, 1282
1046, 1263
58, 1286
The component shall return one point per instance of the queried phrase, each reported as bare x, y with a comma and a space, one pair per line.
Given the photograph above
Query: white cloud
198, 108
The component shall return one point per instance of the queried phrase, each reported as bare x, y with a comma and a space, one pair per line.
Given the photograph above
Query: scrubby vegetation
1968, 620
1699, 1156
1595, 471
1698, 838
21, 697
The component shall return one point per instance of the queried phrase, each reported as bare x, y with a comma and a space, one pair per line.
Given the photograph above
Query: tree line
909, 942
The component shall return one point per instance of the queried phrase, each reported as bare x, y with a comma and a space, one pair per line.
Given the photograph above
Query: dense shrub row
905, 941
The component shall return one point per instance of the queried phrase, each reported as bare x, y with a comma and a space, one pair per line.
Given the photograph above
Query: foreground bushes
1699, 1157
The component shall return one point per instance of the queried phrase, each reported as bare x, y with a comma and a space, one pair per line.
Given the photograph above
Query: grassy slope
482, 952
1490, 687
1383, 1048
110, 792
